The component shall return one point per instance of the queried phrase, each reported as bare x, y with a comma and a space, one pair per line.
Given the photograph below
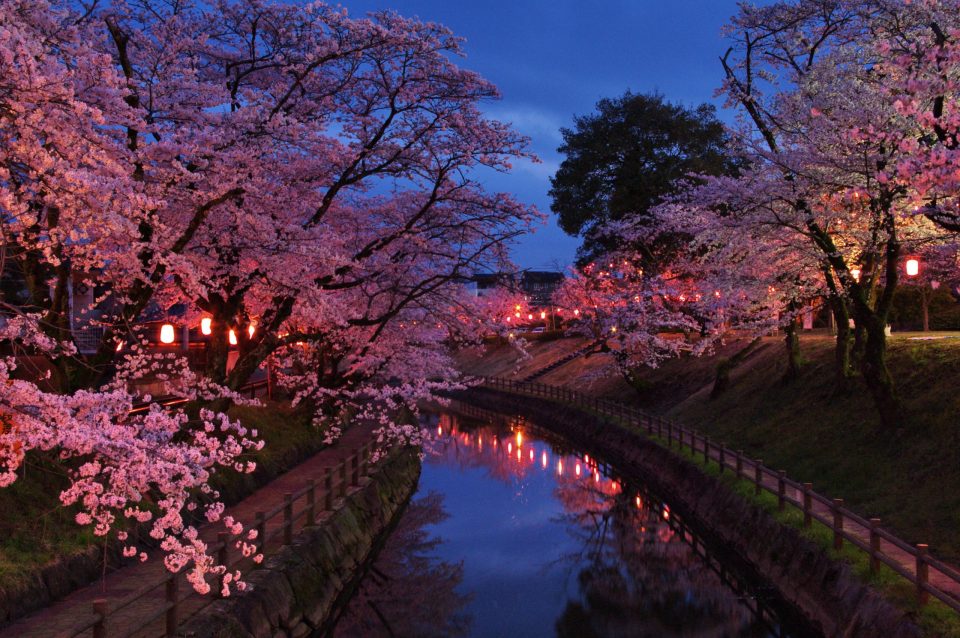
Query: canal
513, 532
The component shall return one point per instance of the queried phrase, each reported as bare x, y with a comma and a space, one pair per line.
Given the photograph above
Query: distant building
539, 286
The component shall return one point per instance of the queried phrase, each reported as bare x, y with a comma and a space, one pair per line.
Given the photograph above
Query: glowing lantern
913, 267
251, 330
576, 313
519, 439
166, 333
530, 316
543, 315
855, 273
206, 325
233, 338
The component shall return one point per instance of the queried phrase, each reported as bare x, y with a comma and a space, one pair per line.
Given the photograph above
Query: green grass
36, 529
909, 477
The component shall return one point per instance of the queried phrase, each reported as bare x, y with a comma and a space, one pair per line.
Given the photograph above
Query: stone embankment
298, 590
824, 591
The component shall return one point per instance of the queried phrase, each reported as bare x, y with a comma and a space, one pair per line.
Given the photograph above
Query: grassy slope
909, 478
35, 529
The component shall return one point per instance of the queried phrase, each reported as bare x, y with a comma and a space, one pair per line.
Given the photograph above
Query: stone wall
825, 592
297, 590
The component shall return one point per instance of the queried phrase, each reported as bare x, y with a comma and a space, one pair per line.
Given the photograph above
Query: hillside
910, 477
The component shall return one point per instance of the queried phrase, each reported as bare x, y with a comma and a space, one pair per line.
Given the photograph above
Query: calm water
514, 533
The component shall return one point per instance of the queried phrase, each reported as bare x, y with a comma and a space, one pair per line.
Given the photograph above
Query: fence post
923, 574
757, 476
837, 524
262, 531
312, 502
100, 609
171, 593
288, 519
669, 434
723, 456
343, 479
739, 461
874, 545
706, 449
328, 489
807, 504
781, 490
223, 539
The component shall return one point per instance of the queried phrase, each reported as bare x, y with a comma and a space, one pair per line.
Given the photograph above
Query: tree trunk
842, 367
925, 298
877, 376
722, 380
792, 343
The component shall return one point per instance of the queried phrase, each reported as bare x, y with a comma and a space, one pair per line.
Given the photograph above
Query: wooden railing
298, 509
928, 574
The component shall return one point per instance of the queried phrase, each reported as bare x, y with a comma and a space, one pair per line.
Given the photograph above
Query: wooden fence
299, 509
929, 575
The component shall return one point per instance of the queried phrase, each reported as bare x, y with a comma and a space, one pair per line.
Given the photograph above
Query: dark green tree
626, 157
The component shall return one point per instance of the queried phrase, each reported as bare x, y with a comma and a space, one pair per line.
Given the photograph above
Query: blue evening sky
553, 59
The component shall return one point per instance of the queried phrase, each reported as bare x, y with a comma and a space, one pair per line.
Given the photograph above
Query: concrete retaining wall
297, 590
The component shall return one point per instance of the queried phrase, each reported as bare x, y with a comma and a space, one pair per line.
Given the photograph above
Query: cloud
541, 126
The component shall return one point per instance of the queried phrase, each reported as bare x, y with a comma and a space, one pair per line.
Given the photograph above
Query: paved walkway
76, 610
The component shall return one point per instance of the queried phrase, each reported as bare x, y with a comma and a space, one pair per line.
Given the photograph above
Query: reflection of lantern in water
439, 430
518, 454
510, 448
596, 477
586, 458
639, 503
560, 468
531, 455
519, 439
543, 460
577, 469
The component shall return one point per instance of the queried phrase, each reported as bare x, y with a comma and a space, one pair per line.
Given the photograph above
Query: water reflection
408, 591
548, 541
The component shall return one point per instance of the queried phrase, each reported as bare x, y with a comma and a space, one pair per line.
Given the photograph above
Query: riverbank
45, 555
806, 428
826, 591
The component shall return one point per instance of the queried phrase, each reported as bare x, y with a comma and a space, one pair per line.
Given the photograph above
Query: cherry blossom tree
304, 179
